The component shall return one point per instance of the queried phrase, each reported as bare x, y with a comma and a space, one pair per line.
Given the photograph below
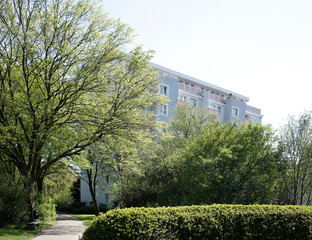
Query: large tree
233, 163
295, 149
67, 80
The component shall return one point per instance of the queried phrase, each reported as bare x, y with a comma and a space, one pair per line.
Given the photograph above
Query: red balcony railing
216, 98
253, 110
189, 88
213, 112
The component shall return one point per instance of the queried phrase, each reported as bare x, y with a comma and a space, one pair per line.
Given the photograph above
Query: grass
19, 232
16, 232
86, 218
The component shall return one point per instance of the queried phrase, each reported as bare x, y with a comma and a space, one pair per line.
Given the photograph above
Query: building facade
228, 106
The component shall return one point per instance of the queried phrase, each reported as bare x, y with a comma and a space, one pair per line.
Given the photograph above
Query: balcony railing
216, 98
213, 112
253, 110
189, 88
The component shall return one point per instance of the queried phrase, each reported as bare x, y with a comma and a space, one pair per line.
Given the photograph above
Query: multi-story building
182, 89
228, 106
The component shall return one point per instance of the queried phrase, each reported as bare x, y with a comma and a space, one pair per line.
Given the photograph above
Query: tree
112, 159
59, 182
137, 165
189, 121
229, 164
295, 150
67, 81
233, 163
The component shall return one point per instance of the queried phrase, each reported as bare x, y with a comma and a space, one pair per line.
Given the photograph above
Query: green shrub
81, 208
46, 208
13, 204
226, 222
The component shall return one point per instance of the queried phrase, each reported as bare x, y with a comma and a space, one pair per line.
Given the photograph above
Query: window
193, 102
164, 90
163, 110
235, 111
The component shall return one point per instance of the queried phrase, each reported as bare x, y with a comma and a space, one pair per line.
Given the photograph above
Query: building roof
201, 83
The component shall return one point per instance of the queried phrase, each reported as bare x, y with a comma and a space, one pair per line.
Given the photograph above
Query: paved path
65, 228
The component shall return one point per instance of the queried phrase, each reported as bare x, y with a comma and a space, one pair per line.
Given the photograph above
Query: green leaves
204, 222
229, 164
295, 152
68, 80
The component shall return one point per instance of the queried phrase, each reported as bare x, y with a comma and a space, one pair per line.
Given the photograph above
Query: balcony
190, 89
216, 98
213, 112
253, 110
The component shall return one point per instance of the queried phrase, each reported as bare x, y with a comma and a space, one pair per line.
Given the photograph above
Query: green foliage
295, 152
17, 232
228, 164
223, 164
67, 81
189, 121
232, 222
58, 184
13, 206
81, 208
46, 208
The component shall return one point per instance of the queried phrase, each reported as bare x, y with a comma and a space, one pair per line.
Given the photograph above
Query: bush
235, 222
81, 208
13, 205
46, 208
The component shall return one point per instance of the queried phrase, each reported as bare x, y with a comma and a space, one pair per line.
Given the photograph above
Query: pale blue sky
259, 48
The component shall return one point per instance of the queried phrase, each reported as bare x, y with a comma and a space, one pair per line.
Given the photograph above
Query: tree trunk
96, 207
92, 188
30, 189
40, 184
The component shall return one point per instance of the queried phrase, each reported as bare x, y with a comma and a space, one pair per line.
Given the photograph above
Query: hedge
204, 222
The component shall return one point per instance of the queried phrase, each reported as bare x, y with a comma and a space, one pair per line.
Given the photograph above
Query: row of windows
164, 109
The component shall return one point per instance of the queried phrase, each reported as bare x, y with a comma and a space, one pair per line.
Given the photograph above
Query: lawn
16, 232
86, 218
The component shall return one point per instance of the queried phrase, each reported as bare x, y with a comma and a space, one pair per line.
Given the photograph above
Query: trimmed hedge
235, 222
81, 208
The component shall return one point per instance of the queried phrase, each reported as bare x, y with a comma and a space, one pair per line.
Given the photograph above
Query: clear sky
259, 48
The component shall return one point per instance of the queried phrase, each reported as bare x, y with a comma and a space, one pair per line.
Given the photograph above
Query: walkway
65, 228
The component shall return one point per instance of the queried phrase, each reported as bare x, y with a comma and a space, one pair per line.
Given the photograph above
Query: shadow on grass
16, 232
19, 232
